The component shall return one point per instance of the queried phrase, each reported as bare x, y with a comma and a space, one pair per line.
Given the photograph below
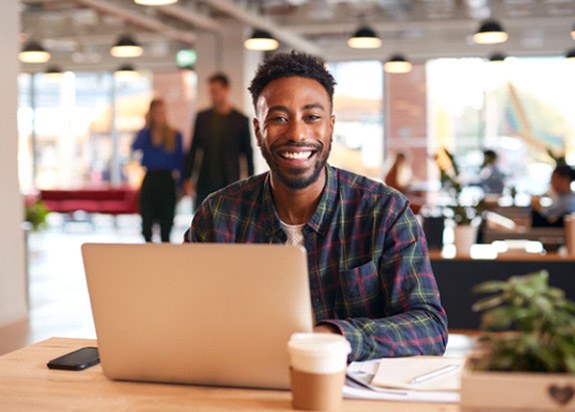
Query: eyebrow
306, 107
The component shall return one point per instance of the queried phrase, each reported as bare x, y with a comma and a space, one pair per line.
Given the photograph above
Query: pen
433, 374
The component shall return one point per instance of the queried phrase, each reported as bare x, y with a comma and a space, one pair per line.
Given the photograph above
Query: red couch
113, 201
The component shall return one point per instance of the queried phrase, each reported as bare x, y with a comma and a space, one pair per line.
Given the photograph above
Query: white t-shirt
294, 233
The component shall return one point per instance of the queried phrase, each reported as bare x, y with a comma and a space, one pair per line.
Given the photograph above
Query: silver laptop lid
212, 314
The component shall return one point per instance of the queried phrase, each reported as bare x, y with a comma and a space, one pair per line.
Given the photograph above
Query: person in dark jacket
221, 140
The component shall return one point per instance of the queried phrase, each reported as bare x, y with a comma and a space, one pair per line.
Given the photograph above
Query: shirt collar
321, 219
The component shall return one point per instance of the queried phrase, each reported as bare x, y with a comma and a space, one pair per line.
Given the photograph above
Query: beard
297, 179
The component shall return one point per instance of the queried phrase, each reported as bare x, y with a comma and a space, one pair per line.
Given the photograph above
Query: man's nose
296, 130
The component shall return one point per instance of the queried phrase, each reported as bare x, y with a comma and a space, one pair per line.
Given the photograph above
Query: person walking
220, 141
163, 157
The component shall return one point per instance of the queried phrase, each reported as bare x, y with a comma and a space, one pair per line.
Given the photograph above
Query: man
370, 275
220, 140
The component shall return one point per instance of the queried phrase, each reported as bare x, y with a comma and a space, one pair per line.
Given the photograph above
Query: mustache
292, 144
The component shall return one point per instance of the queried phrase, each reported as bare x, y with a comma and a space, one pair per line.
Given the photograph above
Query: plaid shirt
369, 268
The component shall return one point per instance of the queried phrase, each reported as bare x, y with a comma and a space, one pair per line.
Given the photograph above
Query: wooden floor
58, 298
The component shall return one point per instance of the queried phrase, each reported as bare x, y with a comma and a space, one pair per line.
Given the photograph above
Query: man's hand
326, 328
536, 203
189, 188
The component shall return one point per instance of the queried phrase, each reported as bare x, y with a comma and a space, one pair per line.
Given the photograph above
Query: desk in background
26, 384
456, 277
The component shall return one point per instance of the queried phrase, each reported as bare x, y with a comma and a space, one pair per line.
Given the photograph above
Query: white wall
13, 283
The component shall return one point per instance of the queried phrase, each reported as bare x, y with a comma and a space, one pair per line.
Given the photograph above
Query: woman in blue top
163, 158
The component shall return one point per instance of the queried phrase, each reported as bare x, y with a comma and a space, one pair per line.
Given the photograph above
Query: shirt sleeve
139, 142
415, 322
190, 159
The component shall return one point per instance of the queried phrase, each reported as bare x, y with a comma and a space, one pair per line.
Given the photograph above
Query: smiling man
369, 269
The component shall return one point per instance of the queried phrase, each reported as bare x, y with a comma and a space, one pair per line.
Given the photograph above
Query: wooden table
26, 384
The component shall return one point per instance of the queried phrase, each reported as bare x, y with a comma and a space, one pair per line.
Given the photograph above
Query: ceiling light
126, 72
497, 58
126, 47
53, 71
570, 54
261, 40
397, 64
364, 38
490, 32
155, 2
33, 52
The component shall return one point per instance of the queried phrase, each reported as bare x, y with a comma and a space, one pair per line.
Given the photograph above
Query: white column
12, 260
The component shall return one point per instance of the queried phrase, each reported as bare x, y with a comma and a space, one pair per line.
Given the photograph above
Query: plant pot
464, 237
483, 391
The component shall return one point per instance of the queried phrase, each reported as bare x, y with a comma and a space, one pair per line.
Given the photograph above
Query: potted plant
526, 356
36, 213
463, 209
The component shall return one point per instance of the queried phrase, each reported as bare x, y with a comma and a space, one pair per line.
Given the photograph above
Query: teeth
296, 155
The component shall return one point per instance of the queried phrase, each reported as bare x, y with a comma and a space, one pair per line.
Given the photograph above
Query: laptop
207, 314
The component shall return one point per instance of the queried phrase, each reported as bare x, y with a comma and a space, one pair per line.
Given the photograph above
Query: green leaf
499, 318
487, 303
491, 286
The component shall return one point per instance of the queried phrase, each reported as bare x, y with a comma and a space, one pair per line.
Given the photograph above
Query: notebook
209, 314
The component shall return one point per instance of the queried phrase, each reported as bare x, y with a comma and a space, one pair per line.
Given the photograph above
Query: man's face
218, 93
294, 128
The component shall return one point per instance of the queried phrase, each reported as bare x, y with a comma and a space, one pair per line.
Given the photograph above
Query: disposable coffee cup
317, 369
570, 234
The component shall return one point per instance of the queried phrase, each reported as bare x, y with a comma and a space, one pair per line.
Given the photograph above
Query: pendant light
125, 72
397, 64
364, 38
261, 40
126, 47
33, 52
53, 71
155, 2
490, 32
497, 58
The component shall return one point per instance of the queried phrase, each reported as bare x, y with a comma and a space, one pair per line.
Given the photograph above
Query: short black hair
219, 78
565, 171
293, 64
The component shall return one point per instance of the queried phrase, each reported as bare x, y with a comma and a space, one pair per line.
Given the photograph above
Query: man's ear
257, 131
332, 124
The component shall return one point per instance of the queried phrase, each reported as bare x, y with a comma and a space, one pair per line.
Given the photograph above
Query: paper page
399, 372
364, 372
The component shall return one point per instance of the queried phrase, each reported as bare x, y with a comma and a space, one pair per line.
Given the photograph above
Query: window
358, 101
76, 129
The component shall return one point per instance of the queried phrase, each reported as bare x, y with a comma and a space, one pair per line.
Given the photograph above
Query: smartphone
78, 360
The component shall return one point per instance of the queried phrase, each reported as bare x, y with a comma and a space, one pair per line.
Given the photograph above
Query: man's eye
278, 119
313, 117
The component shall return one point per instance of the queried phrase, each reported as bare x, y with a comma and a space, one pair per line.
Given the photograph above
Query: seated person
369, 269
491, 179
563, 204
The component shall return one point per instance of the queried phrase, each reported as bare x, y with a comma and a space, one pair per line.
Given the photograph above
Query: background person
492, 180
162, 156
563, 202
369, 270
221, 138
399, 174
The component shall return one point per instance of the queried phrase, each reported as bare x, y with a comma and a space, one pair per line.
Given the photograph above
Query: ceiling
79, 33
